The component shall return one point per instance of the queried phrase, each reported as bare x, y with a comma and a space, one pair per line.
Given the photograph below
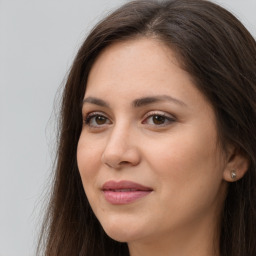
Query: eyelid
88, 116
170, 118
94, 113
160, 113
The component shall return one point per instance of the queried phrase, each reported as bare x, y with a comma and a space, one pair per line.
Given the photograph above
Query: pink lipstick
124, 192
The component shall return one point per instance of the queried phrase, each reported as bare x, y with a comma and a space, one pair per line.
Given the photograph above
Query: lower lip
125, 197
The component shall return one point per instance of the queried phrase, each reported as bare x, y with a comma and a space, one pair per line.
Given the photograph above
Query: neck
200, 241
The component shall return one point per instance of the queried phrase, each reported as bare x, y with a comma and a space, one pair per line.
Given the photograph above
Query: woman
157, 136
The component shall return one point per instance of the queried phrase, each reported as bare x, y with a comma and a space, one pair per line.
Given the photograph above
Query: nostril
122, 158
124, 163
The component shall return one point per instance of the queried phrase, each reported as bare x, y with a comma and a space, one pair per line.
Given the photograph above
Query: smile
124, 192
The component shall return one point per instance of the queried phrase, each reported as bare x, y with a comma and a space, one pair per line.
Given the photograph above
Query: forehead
143, 63
139, 68
136, 51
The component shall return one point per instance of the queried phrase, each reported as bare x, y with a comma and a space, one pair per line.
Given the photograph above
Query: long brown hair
220, 55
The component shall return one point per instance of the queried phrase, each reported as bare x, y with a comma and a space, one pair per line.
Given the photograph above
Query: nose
121, 149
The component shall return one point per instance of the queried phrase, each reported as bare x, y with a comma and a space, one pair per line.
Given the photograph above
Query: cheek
186, 163
181, 154
88, 159
189, 177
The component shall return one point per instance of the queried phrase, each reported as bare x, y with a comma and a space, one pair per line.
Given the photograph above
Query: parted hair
220, 55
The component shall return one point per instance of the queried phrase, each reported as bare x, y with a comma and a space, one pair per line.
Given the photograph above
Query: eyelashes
158, 119
154, 119
95, 119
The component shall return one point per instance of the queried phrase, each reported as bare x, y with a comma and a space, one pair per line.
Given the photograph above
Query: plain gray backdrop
38, 41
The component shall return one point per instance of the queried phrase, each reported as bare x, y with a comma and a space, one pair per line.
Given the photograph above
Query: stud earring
233, 174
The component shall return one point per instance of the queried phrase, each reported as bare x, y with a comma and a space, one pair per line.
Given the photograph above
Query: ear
237, 165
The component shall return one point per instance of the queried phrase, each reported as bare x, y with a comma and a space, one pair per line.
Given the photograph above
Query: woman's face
148, 154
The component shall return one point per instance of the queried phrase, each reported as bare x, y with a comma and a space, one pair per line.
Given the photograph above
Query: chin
121, 232
122, 238
118, 233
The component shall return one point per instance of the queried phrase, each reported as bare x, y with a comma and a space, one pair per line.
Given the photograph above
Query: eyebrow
96, 101
150, 100
137, 102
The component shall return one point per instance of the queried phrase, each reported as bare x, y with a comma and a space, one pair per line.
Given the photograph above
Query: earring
233, 174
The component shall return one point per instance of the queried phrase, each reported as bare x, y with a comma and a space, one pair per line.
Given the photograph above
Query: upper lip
124, 184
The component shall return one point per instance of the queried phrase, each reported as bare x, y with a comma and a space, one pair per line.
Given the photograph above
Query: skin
178, 156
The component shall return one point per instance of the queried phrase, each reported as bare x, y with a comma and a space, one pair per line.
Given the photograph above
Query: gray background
38, 40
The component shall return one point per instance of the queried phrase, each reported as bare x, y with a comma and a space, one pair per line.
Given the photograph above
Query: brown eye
96, 120
158, 120
100, 120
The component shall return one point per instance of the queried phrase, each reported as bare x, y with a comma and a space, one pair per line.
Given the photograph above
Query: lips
124, 192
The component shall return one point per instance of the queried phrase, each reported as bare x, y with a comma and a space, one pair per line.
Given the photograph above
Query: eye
158, 119
96, 120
